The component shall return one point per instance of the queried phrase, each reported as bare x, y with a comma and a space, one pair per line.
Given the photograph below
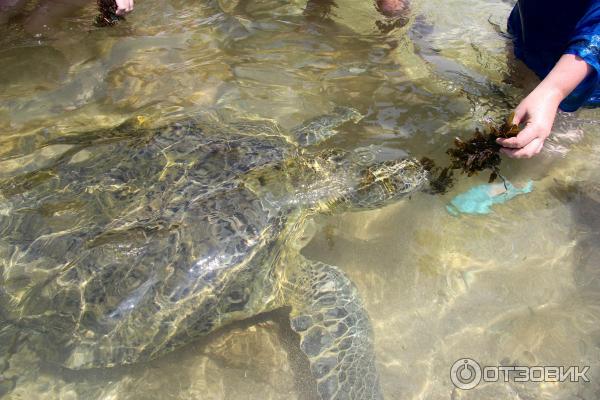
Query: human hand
124, 6
392, 8
537, 111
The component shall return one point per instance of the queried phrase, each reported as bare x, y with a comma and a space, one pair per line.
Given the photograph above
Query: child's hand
537, 112
124, 6
392, 8
538, 109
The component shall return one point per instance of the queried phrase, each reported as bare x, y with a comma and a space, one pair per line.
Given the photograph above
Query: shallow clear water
516, 287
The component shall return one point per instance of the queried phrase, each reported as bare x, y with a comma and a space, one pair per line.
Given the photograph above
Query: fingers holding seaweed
519, 115
524, 137
537, 112
533, 148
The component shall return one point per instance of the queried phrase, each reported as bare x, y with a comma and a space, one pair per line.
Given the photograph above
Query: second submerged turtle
138, 240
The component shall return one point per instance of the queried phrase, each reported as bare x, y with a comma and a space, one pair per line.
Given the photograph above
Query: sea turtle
137, 240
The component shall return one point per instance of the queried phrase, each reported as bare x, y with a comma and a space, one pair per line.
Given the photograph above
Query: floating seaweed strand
471, 156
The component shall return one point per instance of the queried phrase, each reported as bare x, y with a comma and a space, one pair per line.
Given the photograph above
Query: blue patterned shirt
544, 30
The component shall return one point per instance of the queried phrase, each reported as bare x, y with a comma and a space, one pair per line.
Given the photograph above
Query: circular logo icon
465, 373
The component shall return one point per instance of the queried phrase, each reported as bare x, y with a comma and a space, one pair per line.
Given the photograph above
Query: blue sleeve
585, 43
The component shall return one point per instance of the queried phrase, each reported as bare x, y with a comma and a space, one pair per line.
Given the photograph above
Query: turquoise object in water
480, 199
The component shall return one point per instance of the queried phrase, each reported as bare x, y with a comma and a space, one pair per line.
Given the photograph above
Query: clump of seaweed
440, 179
472, 156
108, 13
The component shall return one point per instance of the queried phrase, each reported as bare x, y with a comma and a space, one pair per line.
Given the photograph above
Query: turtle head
385, 182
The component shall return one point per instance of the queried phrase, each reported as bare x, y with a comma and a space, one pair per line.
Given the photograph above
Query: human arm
581, 46
538, 110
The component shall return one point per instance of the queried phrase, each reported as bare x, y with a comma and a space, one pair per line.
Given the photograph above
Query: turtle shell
138, 239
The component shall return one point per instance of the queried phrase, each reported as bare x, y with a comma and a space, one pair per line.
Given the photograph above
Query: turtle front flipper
321, 128
335, 331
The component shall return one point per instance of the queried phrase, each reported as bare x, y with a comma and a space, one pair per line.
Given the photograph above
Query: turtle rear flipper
321, 128
335, 332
